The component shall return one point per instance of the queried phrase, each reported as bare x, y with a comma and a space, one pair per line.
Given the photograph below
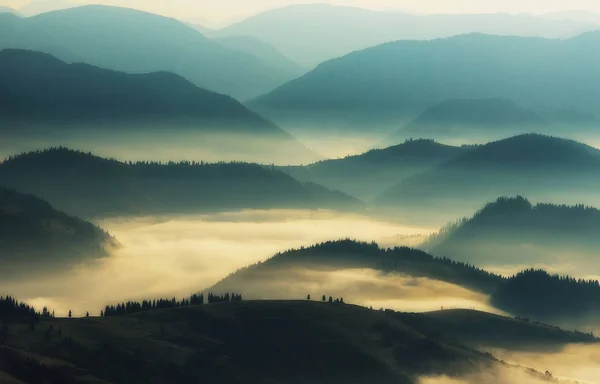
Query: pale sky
219, 12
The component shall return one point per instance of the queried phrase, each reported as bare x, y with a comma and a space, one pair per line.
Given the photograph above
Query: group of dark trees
10, 308
539, 295
147, 305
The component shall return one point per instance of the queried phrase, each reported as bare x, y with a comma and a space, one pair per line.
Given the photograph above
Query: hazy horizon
225, 12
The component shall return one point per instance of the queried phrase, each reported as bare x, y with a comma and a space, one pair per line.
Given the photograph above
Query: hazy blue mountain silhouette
39, 91
312, 33
9, 10
475, 116
515, 231
371, 173
263, 51
138, 42
399, 80
36, 236
90, 186
540, 167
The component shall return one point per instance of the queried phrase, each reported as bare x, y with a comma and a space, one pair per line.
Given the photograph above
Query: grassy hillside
87, 185
249, 342
35, 236
138, 42
371, 173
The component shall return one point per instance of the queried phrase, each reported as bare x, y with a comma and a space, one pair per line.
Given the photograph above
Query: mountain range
90, 186
297, 31
133, 41
368, 174
541, 167
41, 92
386, 85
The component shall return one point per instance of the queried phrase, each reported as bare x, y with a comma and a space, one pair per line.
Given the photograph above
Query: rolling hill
370, 173
387, 84
138, 42
497, 118
515, 231
35, 237
41, 92
535, 294
299, 30
277, 342
90, 186
541, 167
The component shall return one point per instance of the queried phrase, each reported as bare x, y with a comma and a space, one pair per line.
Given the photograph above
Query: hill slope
482, 117
397, 274
88, 185
399, 80
298, 31
134, 41
514, 231
37, 90
541, 167
263, 51
246, 342
34, 236
370, 173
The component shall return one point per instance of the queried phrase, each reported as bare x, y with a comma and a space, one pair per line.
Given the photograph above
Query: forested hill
529, 164
515, 230
371, 173
33, 234
87, 185
298, 267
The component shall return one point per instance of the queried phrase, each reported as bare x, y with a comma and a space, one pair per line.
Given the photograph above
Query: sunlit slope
138, 42
87, 185
250, 342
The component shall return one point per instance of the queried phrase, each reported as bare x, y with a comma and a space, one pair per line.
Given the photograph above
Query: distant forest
88, 186
502, 227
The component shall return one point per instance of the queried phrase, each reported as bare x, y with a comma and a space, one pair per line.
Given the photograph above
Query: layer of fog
176, 256
573, 362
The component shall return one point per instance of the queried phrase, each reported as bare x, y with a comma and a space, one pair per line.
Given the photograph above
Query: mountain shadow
394, 82
541, 167
513, 231
133, 41
368, 174
38, 91
90, 186
495, 118
36, 238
